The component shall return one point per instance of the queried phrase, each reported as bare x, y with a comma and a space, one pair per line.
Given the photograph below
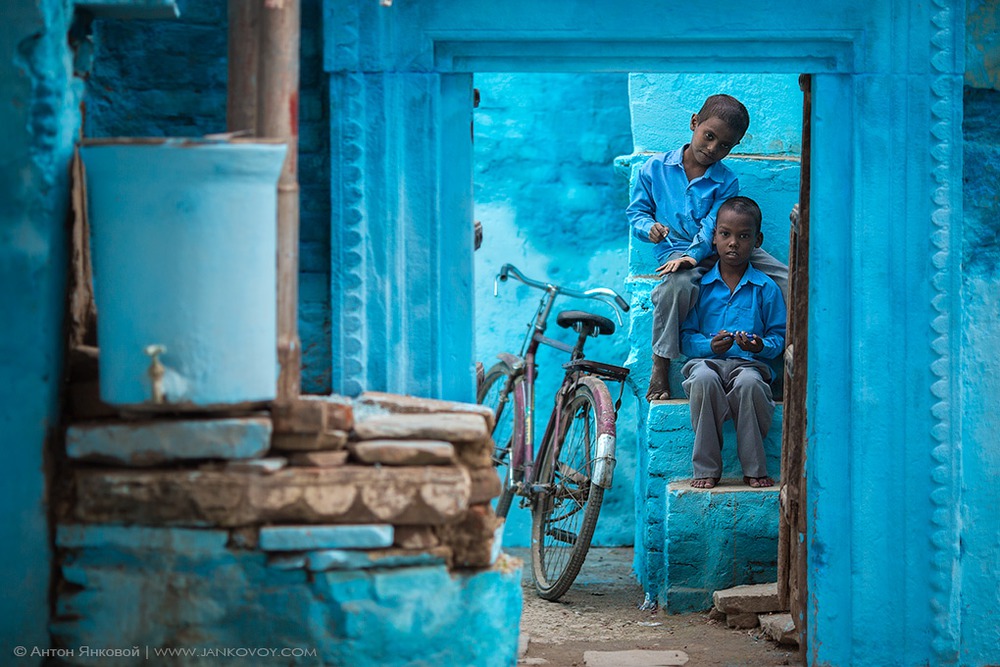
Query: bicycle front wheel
497, 392
565, 511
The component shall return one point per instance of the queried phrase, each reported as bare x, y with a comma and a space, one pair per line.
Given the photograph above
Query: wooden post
277, 117
792, 591
243, 52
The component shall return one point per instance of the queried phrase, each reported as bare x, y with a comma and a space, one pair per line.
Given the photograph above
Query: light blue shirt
662, 193
755, 306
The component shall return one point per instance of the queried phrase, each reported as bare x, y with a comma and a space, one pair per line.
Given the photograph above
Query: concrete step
716, 539
669, 439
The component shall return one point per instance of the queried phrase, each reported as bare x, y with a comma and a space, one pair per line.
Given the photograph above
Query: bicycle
564, 484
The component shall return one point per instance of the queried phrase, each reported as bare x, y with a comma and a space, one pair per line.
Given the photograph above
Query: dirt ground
600, 613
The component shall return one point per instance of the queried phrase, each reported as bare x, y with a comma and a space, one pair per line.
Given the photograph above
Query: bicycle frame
523, 445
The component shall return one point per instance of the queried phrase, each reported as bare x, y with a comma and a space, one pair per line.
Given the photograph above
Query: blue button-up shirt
755, 306
662, 193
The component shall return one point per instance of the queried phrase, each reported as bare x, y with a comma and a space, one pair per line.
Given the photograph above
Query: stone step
716, 539
669, 439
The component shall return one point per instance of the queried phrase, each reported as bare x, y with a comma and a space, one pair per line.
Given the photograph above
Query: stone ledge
153, 442
669, 439
346, 494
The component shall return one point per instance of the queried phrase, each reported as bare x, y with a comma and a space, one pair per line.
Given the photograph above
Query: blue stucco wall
213, 595
551, 205
38, 125
980, 365
168, 78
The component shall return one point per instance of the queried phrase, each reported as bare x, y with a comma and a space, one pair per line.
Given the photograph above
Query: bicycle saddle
573, 319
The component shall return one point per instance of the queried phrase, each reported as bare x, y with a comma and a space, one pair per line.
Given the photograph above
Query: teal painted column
38, 125
884, 404
401, 241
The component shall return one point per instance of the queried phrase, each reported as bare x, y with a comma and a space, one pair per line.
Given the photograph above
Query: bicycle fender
515, 362
604, 460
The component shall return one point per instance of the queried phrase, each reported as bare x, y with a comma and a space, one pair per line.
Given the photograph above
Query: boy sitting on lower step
738, 320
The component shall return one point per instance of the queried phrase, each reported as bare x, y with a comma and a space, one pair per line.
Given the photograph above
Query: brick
475, 539
153, 442
309, 442
339, 559
752, 598
430, 495
415, 537
437, 426
141, 538
485, 485
319, 459
313, 414
305, 538
412, 404
261, 466
403, 452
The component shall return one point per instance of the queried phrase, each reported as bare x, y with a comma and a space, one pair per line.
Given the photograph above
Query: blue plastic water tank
183, 236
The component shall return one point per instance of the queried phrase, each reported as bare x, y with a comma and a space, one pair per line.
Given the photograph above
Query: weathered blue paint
982, 44
980, 365
886, 209
212, 596
716, 539
401, 251
338, 559
670, 437
303, 538
889, 581
187, 264
38, 125
159, 441
552, 205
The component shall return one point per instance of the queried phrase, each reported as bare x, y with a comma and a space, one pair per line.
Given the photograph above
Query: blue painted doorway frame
883, 396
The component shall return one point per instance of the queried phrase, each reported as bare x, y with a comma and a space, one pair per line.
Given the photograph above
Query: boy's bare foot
758, 482
659, 380
704, 482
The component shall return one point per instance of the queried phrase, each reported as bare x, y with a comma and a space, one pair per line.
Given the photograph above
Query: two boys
675, 202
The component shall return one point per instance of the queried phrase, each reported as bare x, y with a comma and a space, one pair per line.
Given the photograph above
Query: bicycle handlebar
605, 294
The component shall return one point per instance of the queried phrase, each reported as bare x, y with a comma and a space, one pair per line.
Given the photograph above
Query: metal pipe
278, 118
243, 52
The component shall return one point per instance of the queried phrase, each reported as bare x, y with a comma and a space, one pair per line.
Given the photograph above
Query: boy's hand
721, 342
676, 265
658, 232
749, 342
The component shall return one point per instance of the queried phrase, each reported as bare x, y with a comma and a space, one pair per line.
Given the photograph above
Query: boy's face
736, 236
712, 140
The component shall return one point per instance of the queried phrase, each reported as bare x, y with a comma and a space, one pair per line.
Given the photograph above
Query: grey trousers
720, 389
677, 293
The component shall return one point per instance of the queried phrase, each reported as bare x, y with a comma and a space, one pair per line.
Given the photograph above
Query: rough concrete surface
600, 613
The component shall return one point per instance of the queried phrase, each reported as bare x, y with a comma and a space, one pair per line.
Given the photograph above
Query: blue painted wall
38, 125
168, 78
551, 204
980, 364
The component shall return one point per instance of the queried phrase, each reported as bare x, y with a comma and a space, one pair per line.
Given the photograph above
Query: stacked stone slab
690, 542
750, 606
298, 510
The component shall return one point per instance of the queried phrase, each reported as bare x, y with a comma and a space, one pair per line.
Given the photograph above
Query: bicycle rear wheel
565, 512
497, 392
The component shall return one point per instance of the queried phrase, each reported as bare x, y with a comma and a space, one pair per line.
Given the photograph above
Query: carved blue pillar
402, 242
